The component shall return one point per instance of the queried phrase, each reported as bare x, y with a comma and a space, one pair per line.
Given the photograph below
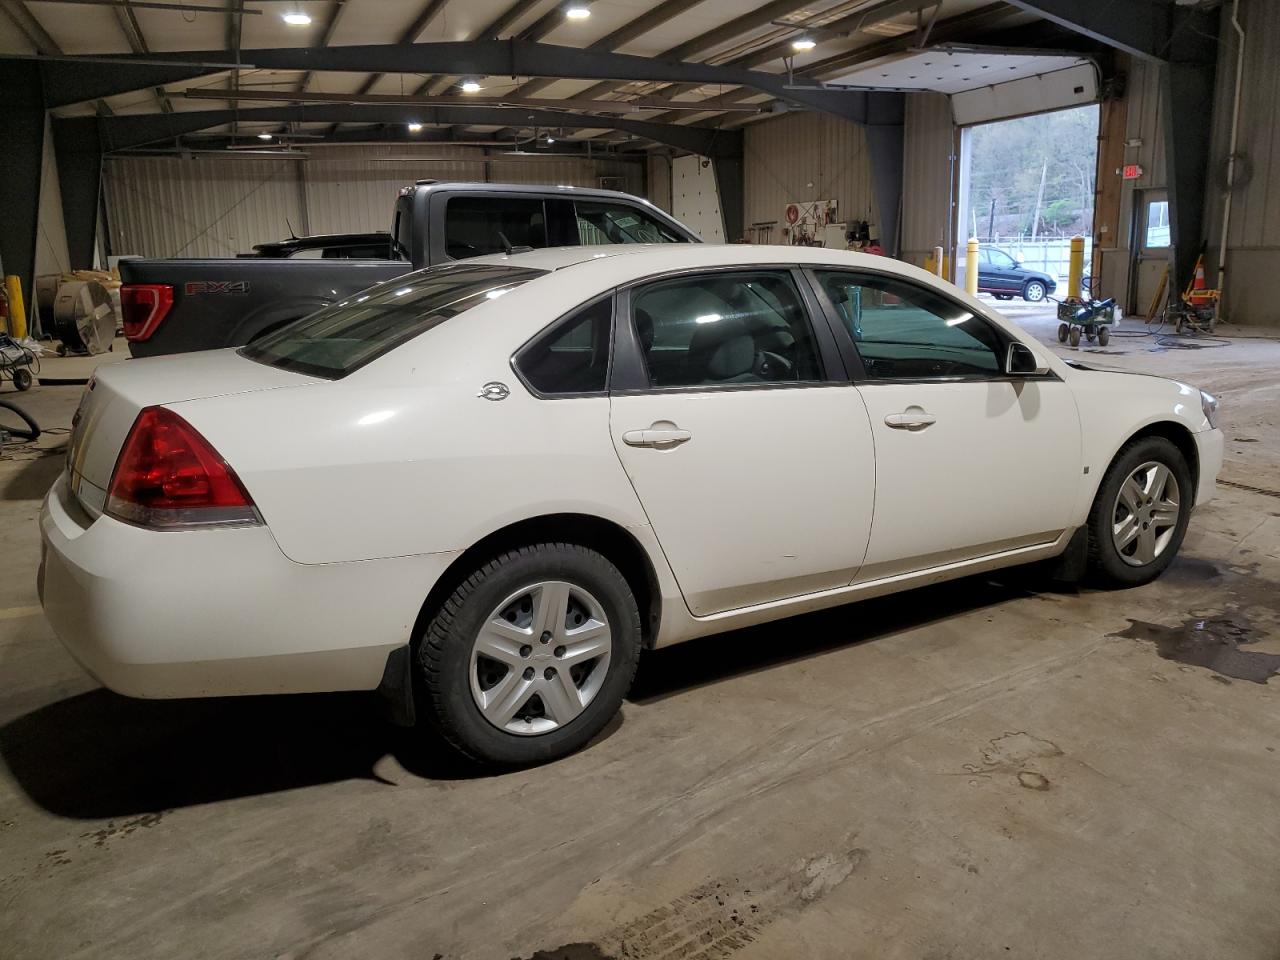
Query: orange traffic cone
1199, 294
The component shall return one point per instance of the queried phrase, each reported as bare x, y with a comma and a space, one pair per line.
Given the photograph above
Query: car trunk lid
118, 392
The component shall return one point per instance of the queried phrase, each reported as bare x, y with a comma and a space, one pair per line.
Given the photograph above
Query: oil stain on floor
1210, 643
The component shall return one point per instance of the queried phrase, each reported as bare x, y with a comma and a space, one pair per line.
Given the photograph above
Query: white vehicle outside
485, 487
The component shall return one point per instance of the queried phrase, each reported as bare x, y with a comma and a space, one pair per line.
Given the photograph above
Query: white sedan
485, 487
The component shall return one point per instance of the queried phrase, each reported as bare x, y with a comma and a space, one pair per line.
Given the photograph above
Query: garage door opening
1027, 188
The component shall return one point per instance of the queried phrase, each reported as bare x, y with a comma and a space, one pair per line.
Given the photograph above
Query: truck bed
259, 294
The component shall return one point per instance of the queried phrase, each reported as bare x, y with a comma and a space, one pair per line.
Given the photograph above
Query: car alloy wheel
1034, 291
1145, 515
540, 657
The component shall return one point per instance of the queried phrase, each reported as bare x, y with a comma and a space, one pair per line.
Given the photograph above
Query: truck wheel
1140, 514
531, 655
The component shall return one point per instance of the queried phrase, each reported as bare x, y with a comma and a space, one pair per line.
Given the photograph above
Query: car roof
635, 260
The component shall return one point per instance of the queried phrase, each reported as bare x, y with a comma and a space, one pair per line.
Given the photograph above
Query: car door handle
662, 435
913, 418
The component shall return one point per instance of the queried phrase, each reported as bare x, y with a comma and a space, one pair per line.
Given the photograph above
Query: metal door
1151, 251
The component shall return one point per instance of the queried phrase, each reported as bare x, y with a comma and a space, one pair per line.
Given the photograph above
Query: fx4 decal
231, 287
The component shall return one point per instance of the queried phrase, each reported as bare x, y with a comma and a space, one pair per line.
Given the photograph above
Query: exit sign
1131, 171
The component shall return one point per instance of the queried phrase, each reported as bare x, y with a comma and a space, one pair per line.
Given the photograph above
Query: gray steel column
78, 150
885, 132
1187, 103
22, 155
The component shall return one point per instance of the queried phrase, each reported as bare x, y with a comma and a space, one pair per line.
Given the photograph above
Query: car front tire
531, 655
1140, 514
1033, 291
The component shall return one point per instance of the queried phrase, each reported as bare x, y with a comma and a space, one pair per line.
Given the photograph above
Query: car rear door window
722, 329
606, 222
573, 356
475, 226
345, 336
907, 332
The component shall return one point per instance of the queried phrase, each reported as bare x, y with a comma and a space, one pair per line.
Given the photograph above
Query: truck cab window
402, 232
601, 222
475, 226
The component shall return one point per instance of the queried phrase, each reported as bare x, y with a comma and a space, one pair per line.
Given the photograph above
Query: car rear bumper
219, 612
1209, 444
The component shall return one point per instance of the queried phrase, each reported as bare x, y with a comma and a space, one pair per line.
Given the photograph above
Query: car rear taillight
144, 305
168, 476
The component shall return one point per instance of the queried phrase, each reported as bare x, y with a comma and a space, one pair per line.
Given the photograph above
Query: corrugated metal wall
805, 156
1253, 239
198, 207
207, 206
353, 189
658, 175
927, 176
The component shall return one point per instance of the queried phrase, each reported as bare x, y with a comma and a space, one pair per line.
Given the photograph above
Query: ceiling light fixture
415, 127
577, 11
296, 18
803, 43
264, 136
470, 86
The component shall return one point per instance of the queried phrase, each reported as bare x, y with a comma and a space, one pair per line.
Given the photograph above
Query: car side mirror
1021, 361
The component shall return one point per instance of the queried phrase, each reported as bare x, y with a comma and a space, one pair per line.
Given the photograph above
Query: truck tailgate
227, 303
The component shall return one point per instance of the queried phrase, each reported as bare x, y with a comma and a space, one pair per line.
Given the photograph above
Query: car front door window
905, 332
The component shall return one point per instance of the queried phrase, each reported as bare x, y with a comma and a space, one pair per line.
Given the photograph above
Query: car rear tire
1140, 514
1033, 291
531, 655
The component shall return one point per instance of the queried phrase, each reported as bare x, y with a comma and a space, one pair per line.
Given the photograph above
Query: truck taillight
169, 476
144, 305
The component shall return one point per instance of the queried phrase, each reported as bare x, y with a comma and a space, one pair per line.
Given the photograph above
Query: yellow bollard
971, 267
17, 309
1075, 268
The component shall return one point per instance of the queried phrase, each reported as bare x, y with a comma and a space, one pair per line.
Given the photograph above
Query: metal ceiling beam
489, 31
410, 35
598, 107
135, 130
713, 38
71, 82
624, 35
852, 24
132, 31
326, 38
1151, 29
961, 27
151, 5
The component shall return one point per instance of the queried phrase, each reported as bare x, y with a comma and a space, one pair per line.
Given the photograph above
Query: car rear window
344, 337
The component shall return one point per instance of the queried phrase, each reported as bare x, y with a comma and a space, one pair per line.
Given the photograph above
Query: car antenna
292, 234
509, 248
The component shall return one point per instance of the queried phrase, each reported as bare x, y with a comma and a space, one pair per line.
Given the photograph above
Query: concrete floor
976, 770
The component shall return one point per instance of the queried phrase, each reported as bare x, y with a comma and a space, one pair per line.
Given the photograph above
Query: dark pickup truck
173, 306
